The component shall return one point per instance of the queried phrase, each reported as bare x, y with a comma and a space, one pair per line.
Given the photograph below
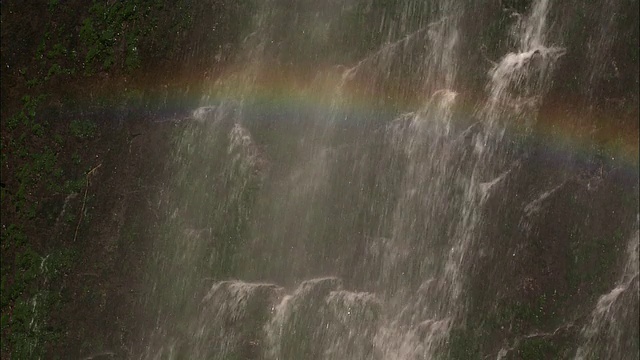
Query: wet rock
320, 320
231, 319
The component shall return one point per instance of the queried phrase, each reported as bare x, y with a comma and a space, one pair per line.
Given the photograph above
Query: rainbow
565, 125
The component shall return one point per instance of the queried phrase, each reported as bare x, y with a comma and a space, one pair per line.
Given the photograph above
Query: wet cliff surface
331, 180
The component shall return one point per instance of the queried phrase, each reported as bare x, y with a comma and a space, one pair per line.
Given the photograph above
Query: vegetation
56, 53
33, 268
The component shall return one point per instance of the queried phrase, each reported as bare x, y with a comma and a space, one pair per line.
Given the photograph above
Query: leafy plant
83, 129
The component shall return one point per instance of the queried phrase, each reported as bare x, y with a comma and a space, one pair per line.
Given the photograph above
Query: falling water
337, 230
610, 313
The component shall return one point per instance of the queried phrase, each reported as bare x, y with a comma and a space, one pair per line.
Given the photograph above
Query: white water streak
603, 334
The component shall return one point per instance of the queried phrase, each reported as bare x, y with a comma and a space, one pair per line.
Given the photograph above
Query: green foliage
52, 54
26, 116
58, 50
74, 186
53, 4
83, 129
106, 36
28, 293
33, 295
100, 36
56, 69
76, 159
113, 26
13, 235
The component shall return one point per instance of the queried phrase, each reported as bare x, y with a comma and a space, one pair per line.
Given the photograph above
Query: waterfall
610, 313
333, 196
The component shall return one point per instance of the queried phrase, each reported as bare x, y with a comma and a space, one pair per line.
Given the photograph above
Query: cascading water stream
611, 311
337, 230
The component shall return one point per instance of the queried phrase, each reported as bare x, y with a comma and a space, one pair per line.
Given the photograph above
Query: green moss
83, 129
100, 36
29, 290
115, 26
30, 295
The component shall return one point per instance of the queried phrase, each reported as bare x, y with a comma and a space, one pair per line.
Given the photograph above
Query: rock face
322, 321
318, 320
609, 319
401, 179
465, 205
230, 320
549, 249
